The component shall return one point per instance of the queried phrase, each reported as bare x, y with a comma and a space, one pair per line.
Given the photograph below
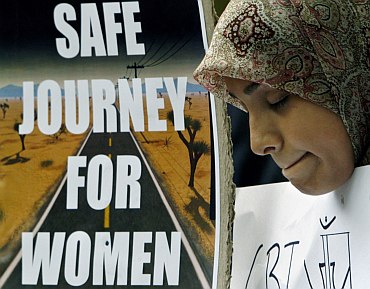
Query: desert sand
29, 178
169, 156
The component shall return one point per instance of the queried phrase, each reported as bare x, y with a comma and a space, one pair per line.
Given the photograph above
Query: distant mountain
11, 90
191, 87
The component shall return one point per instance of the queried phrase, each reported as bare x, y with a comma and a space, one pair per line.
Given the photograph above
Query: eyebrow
250, 88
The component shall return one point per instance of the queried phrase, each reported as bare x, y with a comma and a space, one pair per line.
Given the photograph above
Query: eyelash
281, 103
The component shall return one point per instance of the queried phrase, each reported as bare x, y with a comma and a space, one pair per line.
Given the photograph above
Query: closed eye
280, 103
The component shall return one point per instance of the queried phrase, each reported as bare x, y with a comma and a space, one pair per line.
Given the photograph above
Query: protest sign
285, 239
106, 148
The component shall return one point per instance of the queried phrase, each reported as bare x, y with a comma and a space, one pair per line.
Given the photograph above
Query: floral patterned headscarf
317, 49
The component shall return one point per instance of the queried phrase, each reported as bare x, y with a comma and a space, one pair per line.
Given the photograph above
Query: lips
292, 164
296, 168
286, 163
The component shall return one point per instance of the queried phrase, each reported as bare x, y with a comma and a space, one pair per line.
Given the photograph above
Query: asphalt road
151, 217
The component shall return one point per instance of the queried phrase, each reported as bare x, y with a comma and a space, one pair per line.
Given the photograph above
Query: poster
301, 241
105, 146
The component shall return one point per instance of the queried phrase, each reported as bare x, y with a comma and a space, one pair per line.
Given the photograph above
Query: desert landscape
168, 155
29, 177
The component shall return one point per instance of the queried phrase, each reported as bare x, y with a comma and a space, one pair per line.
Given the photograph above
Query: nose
265, 136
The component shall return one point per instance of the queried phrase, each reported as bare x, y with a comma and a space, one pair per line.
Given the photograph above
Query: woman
301, 69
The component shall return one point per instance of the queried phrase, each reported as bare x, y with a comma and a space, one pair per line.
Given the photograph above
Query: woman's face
308, 142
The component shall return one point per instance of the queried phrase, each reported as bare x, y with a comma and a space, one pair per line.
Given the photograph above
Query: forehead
235, 82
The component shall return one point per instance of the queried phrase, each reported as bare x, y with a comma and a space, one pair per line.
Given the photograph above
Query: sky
170, 29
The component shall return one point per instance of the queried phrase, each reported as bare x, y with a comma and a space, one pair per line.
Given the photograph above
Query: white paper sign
285, 239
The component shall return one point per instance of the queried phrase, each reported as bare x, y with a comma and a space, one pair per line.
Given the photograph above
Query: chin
313, 191
319, 188
323, 182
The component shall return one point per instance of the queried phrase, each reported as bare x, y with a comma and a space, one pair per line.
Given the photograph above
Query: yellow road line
107, 217
107, 209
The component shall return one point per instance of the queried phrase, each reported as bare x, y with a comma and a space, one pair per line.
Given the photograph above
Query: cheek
320, 132
320, 176
334, 163
336, 145
340, 158
323, 135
